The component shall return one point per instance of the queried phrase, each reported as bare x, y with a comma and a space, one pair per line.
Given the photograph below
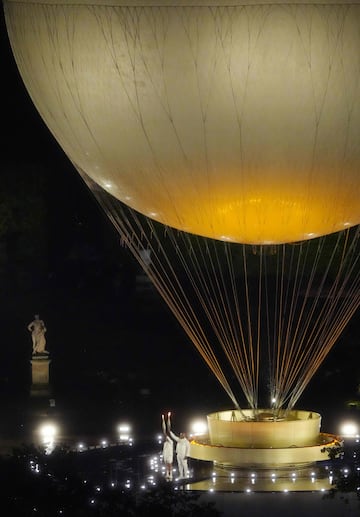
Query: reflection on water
293, 481
205, 477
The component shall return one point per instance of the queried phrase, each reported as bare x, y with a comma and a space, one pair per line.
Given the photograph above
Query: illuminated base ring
240, 439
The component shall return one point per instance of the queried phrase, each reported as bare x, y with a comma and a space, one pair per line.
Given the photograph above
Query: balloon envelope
236, 122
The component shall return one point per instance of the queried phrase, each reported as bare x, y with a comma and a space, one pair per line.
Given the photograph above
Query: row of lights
49, 432
123, 436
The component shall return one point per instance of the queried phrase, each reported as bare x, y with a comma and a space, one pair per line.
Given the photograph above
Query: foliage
334, 452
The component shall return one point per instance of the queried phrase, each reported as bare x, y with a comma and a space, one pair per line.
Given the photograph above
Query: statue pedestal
40, 386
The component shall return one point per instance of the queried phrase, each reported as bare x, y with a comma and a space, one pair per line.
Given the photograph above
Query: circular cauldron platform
263, 439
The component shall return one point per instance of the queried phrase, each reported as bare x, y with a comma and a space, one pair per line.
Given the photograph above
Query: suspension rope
239, 307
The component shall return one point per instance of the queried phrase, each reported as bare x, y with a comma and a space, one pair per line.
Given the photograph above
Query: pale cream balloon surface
232, 120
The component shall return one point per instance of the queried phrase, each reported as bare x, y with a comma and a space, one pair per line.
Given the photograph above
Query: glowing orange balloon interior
235, 122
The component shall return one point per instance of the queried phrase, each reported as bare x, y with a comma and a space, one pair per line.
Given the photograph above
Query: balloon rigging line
134, 236
233, 316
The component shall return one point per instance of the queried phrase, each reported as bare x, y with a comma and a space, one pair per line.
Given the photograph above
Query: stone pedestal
40, 385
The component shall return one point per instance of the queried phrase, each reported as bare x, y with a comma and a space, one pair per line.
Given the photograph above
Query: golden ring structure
264, 439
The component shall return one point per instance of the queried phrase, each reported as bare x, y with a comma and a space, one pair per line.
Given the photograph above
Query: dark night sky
104, 342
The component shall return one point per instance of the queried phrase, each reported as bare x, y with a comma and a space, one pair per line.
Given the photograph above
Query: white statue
38, 329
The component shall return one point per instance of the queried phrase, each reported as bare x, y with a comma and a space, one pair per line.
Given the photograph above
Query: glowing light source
48, 432
198, 427
124, 433
349, 429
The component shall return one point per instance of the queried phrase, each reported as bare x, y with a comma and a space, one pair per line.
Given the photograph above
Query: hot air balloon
233, 120
221, 137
